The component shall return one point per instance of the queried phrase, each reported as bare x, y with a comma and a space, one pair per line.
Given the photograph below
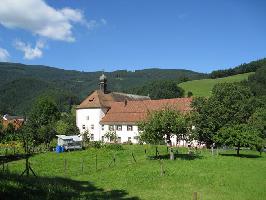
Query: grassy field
203, 87
73, 175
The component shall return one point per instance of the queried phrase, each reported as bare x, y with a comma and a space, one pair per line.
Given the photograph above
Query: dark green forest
21, 84
241, 69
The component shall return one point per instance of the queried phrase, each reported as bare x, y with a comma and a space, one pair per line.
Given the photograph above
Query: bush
128, 142
53, 143
116, 147
96, 144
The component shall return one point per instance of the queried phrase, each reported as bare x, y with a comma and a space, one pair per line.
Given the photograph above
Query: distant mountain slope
241, 69
21, 84
82, 83
203, 87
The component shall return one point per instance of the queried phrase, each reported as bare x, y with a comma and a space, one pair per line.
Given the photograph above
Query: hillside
21, 84
204, 87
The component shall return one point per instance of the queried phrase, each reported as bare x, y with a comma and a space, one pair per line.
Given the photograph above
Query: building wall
86, 118
124, 134
96, 114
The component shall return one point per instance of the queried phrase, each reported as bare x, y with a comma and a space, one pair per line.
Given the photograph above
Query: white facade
89, 119
125, 133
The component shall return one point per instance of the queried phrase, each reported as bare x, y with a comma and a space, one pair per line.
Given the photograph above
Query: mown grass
203, 87
212, 177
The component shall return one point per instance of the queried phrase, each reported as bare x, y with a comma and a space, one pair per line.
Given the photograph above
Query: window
129, 139
119, 127
136, 137
102, 138
129, 128
119, 139
102, 127
83, 127
88, 117
92, 137
111, 127
92, 126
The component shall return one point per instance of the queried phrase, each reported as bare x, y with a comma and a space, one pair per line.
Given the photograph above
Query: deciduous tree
230, 104
240, 135
161, 125
111, 136
42, 119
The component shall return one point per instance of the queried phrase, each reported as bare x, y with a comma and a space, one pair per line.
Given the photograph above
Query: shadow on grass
10, 158
240, 156
177, 156
13, 186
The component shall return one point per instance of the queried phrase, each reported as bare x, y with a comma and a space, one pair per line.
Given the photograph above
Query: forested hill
21, 84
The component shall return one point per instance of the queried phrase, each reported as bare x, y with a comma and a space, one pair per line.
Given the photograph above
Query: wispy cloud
30, 53
4, 55
93, 24
43, 20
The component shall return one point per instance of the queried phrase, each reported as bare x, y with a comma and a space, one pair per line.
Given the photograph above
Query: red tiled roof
98, 99
134, 111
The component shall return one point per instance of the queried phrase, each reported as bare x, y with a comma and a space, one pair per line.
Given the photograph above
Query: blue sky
92, 35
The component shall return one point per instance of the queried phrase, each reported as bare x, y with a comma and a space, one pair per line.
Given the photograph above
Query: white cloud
92, 24
29, 52
41, 19
4, 55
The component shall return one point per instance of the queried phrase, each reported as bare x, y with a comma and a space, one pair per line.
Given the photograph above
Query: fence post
82, 163
96, 162
65, 166
195, 196
133, 157
172, 155
162, 171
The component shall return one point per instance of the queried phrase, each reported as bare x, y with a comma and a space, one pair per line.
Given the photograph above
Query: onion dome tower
103, 83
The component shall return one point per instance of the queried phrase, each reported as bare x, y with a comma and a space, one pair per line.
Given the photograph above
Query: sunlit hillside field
119, 174
203, 87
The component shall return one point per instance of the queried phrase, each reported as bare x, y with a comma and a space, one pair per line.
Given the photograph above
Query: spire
103, 83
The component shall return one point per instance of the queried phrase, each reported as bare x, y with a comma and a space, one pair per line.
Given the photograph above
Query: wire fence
89, 163
65, 165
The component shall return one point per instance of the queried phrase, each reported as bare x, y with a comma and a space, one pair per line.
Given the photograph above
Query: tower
103, 83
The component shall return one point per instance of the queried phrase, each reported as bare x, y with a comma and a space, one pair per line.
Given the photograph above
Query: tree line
234, 115
42, 125
162, 89
241, 69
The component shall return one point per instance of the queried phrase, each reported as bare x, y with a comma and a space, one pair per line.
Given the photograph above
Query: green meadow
203, 87
131, 173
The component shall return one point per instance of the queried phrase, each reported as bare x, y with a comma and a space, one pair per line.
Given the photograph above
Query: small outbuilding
69, 142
